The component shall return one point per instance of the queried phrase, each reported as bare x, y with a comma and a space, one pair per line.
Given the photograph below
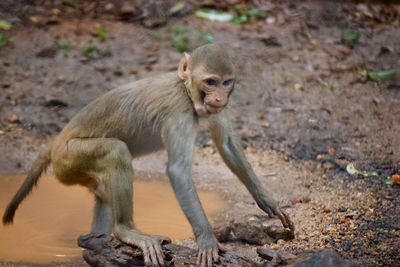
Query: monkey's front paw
207, 257
271, 207
286, 222
152, 251
149, 244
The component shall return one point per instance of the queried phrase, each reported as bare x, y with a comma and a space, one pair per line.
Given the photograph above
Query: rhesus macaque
96, 148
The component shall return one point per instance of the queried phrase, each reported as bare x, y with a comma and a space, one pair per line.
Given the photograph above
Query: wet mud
50, 220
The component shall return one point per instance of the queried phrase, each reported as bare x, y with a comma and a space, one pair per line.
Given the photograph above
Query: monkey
95, 149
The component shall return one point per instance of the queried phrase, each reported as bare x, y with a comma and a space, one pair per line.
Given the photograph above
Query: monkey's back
134, 113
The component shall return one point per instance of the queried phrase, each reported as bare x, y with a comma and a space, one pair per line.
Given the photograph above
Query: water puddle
49, 221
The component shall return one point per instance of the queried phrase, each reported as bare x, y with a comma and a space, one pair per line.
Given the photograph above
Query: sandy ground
298, 139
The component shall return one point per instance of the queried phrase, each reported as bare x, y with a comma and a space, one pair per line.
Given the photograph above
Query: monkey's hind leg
104, 165
118, 186
102, 218
116, 192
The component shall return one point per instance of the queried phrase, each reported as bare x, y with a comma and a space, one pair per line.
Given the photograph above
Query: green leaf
66, 47
177, 7
350, 36
70, 3
353, 171
240, 19
88, 50
389, 181
255, 12
4, 40
241, 9
208, 37
181, 38
213, 15
101, 33
386, 75
5, 25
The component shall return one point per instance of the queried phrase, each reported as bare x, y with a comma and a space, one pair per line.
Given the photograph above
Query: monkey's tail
40, 164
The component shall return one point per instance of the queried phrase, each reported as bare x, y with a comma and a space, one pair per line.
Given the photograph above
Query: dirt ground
302, 109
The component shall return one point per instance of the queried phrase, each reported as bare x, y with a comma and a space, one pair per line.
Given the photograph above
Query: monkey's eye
227, 82
211, 82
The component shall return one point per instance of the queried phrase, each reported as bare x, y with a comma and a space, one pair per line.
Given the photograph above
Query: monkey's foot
208, 251
149, 244
207, 257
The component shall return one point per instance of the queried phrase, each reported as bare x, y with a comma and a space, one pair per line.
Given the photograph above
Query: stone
276, 256
326, 258
127, 10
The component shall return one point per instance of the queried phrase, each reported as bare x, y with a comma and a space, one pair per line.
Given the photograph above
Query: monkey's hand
152, 251
149, 244
208, 250
271, 208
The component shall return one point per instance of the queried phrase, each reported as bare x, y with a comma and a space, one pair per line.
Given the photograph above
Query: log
103, 250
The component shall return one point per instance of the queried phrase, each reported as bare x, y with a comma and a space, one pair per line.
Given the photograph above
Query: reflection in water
49, 221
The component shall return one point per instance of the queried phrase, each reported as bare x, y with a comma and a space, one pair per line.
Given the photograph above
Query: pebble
109, 7
127, 9
13, 119
100, 68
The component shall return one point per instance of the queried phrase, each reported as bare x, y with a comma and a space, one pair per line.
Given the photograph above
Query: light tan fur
96, 148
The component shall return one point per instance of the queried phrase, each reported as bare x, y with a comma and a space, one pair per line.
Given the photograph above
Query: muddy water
49, 221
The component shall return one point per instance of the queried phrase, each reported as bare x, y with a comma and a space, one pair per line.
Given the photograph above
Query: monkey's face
208, 77
215, 91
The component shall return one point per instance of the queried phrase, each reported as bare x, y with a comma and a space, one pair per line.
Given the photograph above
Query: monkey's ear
184, 69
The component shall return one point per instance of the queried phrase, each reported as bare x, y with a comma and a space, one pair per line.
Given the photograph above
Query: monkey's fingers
222, 247
291, 224
146, 255
152, 254
215, 255
200, 258
159, 253
270, 212
164, 239
207, 257
286, 222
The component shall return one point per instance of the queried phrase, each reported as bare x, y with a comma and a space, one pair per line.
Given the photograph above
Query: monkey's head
208, 77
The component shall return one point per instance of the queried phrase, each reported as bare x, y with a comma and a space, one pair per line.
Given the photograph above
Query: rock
127, 10
326, 210
154, 22
83, 59
109, 7
326, 258
133, 71
268, 254
100, 68
270, 41
105, 250
48, 52
53, 20
339, 52
13, 119
118, 73
277, 257
275, 230
222, 232
259, 230
55, 103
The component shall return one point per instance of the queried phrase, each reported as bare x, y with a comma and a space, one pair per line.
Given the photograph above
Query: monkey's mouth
213, 109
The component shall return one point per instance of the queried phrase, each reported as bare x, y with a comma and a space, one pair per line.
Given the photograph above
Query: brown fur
96, 148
